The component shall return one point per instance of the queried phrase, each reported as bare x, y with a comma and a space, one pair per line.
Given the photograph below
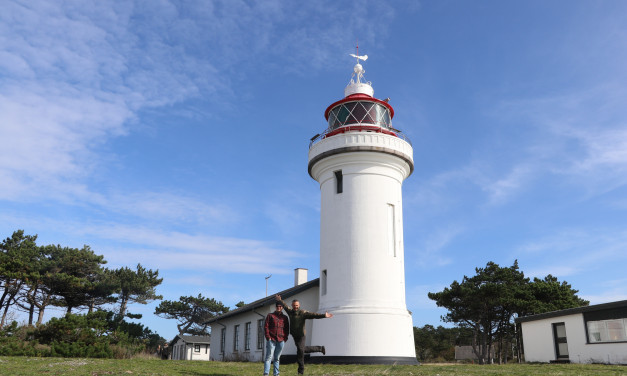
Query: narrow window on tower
339, 185
391, 231
323, 285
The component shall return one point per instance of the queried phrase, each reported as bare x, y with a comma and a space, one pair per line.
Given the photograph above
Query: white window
236, 338
391, 231
260, 333
607, 330
197, 348
247, 336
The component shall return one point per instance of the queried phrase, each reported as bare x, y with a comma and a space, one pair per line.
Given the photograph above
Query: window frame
604, 332
222, 340
247, 329
260, 333
236, 338
339, 181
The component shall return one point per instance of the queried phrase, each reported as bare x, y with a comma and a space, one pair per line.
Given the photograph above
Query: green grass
98, 367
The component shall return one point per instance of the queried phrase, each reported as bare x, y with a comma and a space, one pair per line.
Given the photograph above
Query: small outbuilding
184, 347
591, 334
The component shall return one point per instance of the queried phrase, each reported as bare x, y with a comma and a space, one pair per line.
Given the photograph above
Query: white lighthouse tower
360, 161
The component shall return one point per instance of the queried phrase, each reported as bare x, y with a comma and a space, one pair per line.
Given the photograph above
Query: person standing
277, 329
297, 330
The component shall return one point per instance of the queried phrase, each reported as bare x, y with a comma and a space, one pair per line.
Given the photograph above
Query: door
561, 344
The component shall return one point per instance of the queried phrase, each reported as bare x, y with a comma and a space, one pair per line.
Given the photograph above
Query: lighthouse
360, 162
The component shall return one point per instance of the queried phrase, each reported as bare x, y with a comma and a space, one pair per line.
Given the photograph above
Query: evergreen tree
191, 313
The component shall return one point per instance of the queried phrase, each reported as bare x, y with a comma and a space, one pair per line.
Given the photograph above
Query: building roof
572, 311
192, 339
268, 300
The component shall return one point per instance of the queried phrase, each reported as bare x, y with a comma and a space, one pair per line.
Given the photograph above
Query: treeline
438, 344
487, 304
94, 298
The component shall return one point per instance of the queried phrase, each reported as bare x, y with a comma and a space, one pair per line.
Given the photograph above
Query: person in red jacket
277, 329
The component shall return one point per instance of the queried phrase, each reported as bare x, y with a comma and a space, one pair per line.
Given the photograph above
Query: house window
236, 338
339, 183
607, 330
260, 334
197, 348
391, 231
247, 336
222, 340
323, 284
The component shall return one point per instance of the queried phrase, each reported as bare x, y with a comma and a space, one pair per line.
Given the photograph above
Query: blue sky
175, 135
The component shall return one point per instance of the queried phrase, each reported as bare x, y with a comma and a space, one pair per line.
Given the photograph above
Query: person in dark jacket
277, 329
297, 330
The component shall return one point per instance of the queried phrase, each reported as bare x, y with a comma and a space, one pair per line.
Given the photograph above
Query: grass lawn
97, 367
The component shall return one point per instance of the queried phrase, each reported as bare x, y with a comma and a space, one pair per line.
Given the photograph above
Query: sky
175, 134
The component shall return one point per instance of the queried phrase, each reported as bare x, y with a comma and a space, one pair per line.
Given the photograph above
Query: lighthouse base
396, 360
368, 337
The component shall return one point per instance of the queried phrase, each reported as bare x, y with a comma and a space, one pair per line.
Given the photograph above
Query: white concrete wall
539, 343
185, 351
204, 354
365, 276
308, 300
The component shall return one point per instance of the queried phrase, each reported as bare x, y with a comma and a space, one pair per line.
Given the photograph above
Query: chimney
300, 276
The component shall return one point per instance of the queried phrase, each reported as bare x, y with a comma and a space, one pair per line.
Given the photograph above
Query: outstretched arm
287, 308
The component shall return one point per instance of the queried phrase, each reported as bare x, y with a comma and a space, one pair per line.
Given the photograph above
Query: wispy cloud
181, 251
77, 76
579, 136
431, 251
608, 291
569, 252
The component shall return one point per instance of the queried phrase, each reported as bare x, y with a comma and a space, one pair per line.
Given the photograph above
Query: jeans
272, 348
301, 350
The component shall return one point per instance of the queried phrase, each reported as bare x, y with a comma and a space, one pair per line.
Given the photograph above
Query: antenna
267, 278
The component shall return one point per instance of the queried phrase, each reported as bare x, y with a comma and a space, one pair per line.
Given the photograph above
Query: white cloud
579, 136
431, 251
608, 291
502, 189
176, 250
573, 252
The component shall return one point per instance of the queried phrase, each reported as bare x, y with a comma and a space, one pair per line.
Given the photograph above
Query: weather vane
356, 55
358, 70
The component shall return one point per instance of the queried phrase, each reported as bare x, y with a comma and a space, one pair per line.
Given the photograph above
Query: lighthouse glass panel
361, 112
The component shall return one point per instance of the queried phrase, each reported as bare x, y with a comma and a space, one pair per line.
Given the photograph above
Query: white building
239, 334
186, 347
592, 334
360, 162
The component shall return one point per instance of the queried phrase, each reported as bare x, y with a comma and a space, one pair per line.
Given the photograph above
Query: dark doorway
561, 344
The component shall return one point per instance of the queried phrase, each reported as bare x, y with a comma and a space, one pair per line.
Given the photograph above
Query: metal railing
358, 128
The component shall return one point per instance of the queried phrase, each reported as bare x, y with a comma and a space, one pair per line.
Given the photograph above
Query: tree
548, 294
191, 313
439, 343
36, 293
240, 304
136, 286
18, 261
489, 301
80, 281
